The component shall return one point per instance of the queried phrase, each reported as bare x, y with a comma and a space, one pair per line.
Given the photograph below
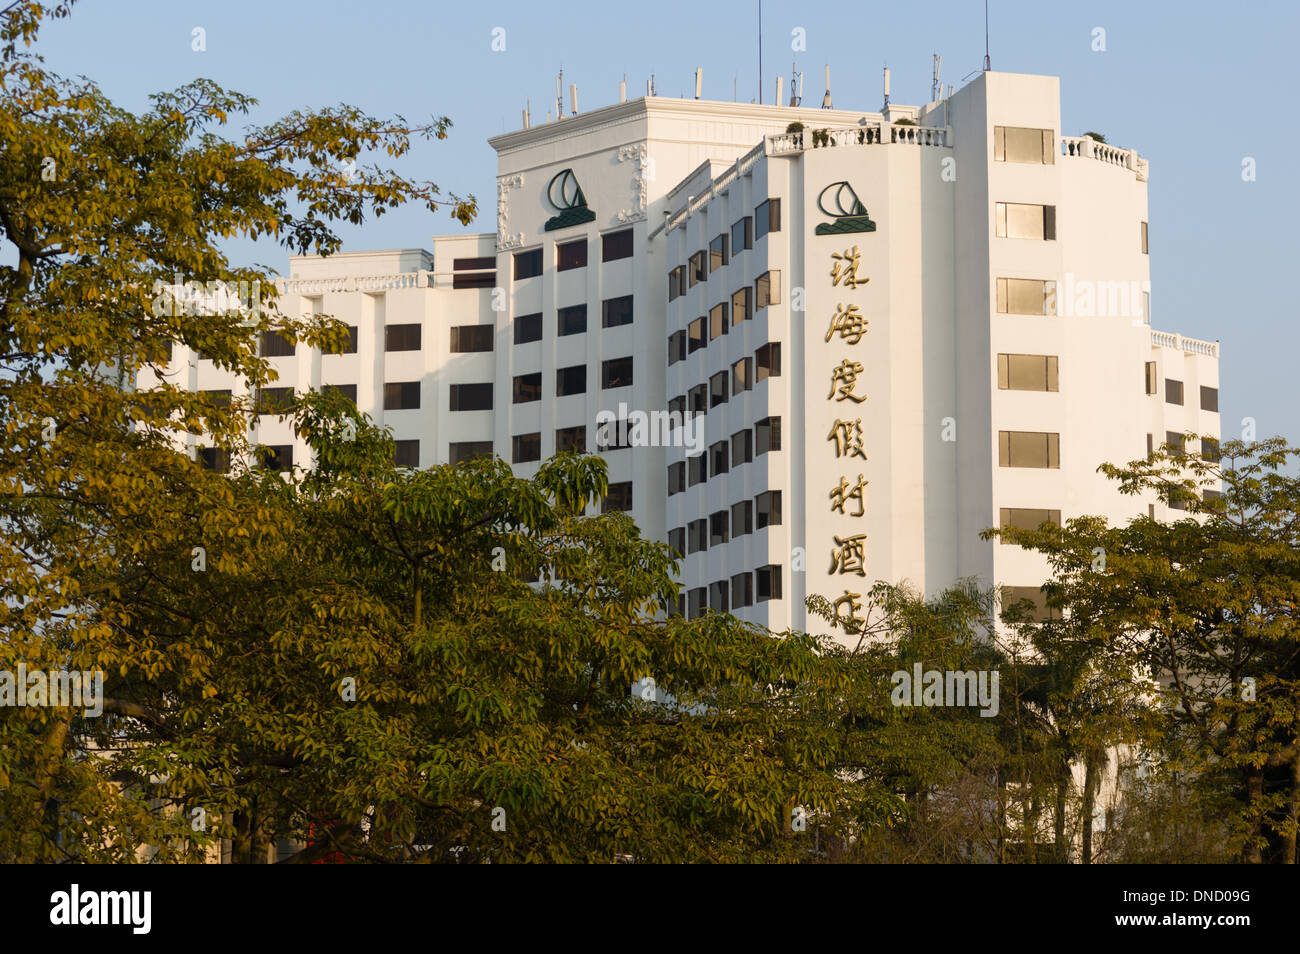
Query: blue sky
1195, 87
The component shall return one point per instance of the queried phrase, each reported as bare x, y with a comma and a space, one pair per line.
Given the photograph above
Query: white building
900, 328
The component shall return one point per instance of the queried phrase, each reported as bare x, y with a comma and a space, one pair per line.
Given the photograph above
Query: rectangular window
676, 347
1024, 144
695, 601
1176, 441
571, 320
719, 528
471, 397
527, 388
616, 245
349, 391
528, 264
767, 361
742, 590
676, 477
616, 373
677, 406
617, 498
696, 269
697, 399
350, 347
402, 337
718, 601
1028, 372
219, 397
697, 469
677, 541
1151, 444
718, 253
276, 345
1026, 296
767, 290
1041, 612
1209, 399
718, 321
742, 305
1210, 449
214, 458
767, 218
1152, 380
767, 509
405, 395
461, 451
767, 580
616, 311
697, 535
1029, 449
767, 435
1020, 221
1144, 239
742, 518
571, 439
273, 400
277, 457
528, 328
719, 458
695, 336
1173, 391
571, 380
677, 282
742, 375
467, 338
718, 389
406, 453
1021, 518
742, 235
525, 448
571, 255
742, 447
474, 272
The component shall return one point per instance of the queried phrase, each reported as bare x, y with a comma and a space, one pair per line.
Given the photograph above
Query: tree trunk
1250, 852
1292, 814
1062, 791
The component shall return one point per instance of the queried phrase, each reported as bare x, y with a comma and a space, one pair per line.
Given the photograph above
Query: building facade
817, 347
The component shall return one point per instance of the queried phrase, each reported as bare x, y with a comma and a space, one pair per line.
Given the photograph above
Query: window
1011, 595
677, 541
526, 388
528, 264
1173, 391
718, 321
571, 255
474, 272
617, 497
276, 345
742, 375
616, 245
1208, 495
767, 435
695, 602
214, 458
767, 290
525, 448
767, 509
1210, 449
677, 282
718, 389
719, 528
402, 338
742, 305
697, 469
718, 601
1177, 442
676, 478
349, 391
718, 253
616, 311
767, 218
528, 328
697, 399
407, 453
219, 397
1028, 372
1151, 438
695, 336
767, 580
1020, 518
742, 235
276, 457
1209, 399
742, 518
405, 395
471, 397
742, 590
767, 361
572, 320
1022, 144
467, 338
571, 439
718, 457
1020, 221
742, 447
1029, 449
461, 451
1152, 381
676, 347
677, 406
616, 373
1026, 296
1144, 239
697, 535
695, 269
273, 400
571, 380
350, 347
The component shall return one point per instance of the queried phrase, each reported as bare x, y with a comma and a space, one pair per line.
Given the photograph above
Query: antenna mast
760, 53
987, 65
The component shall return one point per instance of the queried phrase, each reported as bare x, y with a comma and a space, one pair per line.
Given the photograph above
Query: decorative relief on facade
504, 185
638, 154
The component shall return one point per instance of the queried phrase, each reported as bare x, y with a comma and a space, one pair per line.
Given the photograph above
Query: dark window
618, 497
1212, 495
467, 450
571, 255
402, 338
527, 387
718, 457
697, 469
473, 264
273, 400
525, 448
217, 398
742, 235
1209, 399
1173, 391
1026, 518
471, 397
474, 272
742, 590
742, 447
1040, 611
767, 435
616, 245
350, 347
718, 321
571, 439
571, 380
676, 478
528, 328
742, 518
742, 305
572, 320
349, 391
696, 271
1152, 382
718, 601
696, 601
677, 541
767, 361
1144, 238
405, 395
767, 509
697, 536
719, 531
695, 336
276, 345
616, 373
697, 399
1150, 444
1029, 449
1176, 441
767, 290
465, 338
767, 218
677, 282
718, 252
742, 375
277, 457
528, 264
214, 458
767, 580
718, 389
406, 453
616, 311
677, 406
1210, 449
676, 347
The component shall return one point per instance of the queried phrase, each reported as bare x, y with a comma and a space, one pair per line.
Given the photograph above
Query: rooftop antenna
573, 98
653, 92
622, 89
559, 96
760, 53
735, 87
987, 64
886, 85
777, 101
826, 100
699, 81
794, 80
936, 88
527, 109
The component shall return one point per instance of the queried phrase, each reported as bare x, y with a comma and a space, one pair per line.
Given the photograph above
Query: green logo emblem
849, 213
566, 195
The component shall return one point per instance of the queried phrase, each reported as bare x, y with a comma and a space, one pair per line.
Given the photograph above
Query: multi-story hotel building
885, 331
